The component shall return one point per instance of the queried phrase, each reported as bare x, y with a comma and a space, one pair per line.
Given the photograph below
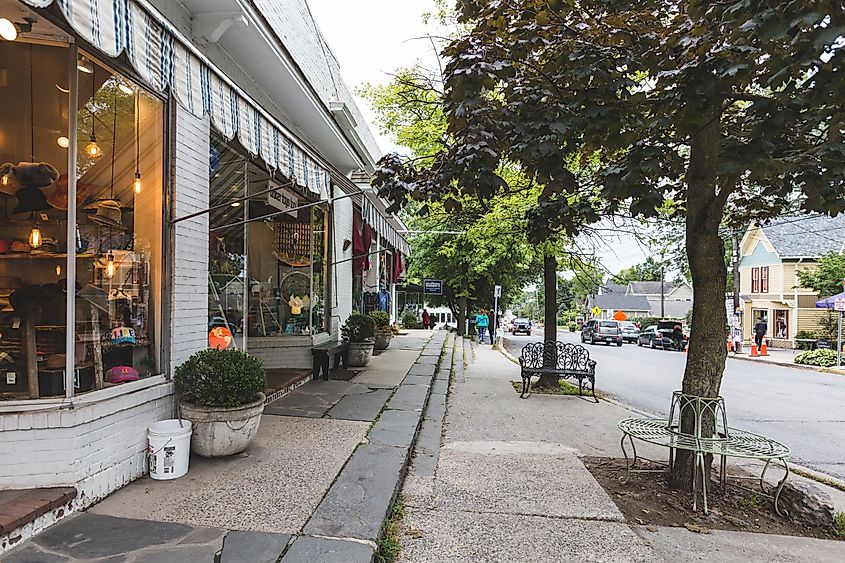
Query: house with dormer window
771, 256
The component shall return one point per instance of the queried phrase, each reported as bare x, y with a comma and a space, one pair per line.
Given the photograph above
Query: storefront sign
432, 287
839, 304
282, 199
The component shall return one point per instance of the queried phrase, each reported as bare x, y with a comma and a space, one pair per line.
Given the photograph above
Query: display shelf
41, 256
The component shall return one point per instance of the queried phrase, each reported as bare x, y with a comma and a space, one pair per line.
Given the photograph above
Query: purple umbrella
827, 302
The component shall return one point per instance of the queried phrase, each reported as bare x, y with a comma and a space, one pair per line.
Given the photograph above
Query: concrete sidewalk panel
312, 550
467, 537
388, 368
419, 369
273, 487
522, 481
359, 500
417, 380
679, 544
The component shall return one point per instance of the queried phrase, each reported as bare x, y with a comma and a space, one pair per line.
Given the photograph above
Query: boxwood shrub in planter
359, 331
383, 332
222, 393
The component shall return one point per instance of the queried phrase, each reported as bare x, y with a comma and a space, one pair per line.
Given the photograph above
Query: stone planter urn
220, 431
383, 338
360, 353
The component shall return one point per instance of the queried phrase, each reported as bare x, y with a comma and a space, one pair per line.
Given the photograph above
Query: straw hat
57, 193
108, 213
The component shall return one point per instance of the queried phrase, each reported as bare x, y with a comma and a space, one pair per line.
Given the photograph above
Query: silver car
630, 332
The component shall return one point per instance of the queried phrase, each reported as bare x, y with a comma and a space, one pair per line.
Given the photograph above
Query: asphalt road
803, 409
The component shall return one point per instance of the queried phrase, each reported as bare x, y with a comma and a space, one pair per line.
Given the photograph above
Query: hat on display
4, 246
20, 246
123, 335
119, 374
26, 298
6, 358
57, 194
108, 213
25, 175
31, 200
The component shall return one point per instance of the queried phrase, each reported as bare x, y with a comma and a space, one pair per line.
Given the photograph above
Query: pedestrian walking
760, 331
481, 323
493, 327
426, 318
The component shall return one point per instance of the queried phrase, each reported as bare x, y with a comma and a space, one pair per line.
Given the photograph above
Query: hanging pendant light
137, 183
92, 149
35, 238
110, 265
8, 30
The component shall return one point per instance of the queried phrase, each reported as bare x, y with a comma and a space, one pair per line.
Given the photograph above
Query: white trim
85, 399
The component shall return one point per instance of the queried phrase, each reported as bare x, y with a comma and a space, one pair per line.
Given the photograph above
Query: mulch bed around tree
647, 500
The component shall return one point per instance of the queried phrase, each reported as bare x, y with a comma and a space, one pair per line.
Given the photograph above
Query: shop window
781, 328
755, 280
115, 246
119, 193
764, 279
226, 246
760, 314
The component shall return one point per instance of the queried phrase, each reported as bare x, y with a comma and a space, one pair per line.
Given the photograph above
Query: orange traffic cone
754, 353
763, 351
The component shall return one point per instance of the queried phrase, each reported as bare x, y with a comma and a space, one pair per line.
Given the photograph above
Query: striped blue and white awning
165, 61
383, 227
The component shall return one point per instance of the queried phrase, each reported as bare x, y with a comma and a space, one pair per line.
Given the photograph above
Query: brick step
19, 508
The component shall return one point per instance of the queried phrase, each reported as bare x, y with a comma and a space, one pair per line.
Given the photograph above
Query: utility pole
735, 267
662, 282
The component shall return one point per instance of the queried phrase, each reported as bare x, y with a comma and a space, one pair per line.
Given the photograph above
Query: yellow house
771, 256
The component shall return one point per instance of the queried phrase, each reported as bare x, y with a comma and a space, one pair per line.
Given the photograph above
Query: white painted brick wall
342, 273
97, 447
190, 284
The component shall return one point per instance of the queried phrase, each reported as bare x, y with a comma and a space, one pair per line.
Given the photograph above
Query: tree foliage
827, 277
619, 107
649, 270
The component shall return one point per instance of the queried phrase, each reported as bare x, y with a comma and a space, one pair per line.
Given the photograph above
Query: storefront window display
266, 253
114, 255
227, 246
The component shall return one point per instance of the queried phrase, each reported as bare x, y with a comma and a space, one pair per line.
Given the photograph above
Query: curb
817, 369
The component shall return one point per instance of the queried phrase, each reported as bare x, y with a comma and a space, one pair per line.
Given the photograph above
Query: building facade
181, 177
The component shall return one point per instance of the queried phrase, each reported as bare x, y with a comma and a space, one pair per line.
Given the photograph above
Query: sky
373, 38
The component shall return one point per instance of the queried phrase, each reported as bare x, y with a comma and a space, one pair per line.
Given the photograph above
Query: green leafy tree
617, 107
649, 270
827, 277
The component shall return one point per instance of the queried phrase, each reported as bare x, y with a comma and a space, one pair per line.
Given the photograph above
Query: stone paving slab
365, 406
417, 380
436, 536
387, 369
273, 487
358, 502
419, 369
502, 477
428, 360
409, 398
87, 537
395, 428
313, 550
253, 547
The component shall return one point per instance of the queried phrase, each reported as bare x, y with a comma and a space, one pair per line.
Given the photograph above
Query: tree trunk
706, 253
549, 317
462, 316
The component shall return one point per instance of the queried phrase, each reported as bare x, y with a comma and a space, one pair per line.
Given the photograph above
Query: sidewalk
316, 484
508, 485
780, 357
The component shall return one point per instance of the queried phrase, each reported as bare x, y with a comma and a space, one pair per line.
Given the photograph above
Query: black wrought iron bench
322, 352
563, 360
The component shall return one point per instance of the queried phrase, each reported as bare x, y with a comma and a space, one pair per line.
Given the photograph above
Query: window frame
755, 280
764, 279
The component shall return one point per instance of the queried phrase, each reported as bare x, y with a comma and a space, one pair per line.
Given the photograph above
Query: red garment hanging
398, 268
358, 251
367, 240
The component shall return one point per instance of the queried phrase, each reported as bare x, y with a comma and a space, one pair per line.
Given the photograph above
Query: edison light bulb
137, 183
58, 270
5, 180
63, 142
35, 239
110, 266
93, 149
8, 31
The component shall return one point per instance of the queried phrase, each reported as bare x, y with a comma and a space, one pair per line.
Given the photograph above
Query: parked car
661, 335
521, 325
630, 332
602, 331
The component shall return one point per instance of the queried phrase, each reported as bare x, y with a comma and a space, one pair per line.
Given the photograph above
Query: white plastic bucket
170, 448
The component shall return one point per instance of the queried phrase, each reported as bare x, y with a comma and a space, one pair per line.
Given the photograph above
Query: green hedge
220, 378
822, 358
